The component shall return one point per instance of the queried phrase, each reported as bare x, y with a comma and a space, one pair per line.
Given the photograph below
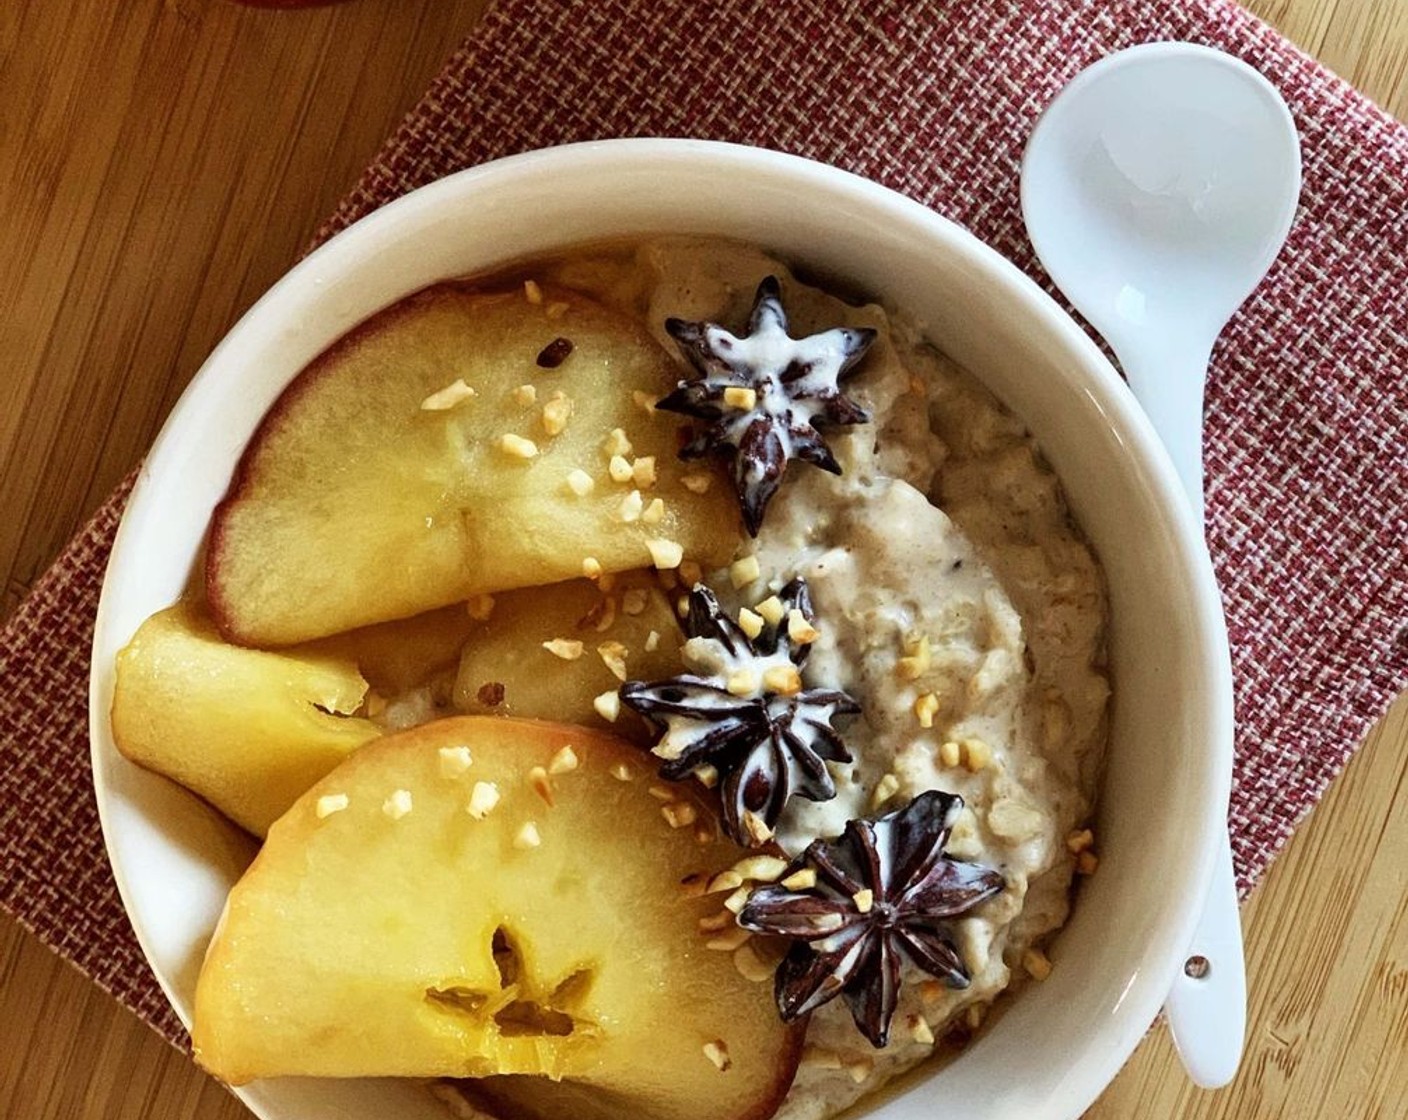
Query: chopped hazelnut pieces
329, 804
566, 648
591, 567
563, 762
557, 309
374, 704
800, 629
527, 837
532, 293
1078, 842
761, 869
744, 571
482, 799
1012, 820
737, 900
619, 468
697, 483
679, 814
819, 1057
480, 607
634, 601
737, 397
616, 443
949, 753
750, 965
864, 900
706, 775
783, 680
526, 395
803, 880
452, 395
717, 1052
608, 705
664, 553
974, 1015
613, 656
538, 779
556, 413
517, 447
644, 401
654, 513
454, 761
920, 1031
859, 1068
643, 471
977, 755
925, 708
1037, 965
580, 482
661, 793
918, 661
1087, 863
621, 772
750, 622
729, 880
728, 940
397, 805
652, 641
742, 682
631, 507
885, 789
755, 828
771, 609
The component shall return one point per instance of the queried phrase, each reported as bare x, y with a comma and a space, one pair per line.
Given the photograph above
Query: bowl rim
355, 246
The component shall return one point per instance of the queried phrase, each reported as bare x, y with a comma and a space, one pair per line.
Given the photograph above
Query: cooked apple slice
400, 655
414, 916
247, 730
357, 501
549, 652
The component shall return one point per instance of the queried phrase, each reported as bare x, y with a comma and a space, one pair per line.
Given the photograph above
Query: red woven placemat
1308, 407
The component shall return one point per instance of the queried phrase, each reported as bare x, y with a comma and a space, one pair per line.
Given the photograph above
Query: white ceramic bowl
1165, 790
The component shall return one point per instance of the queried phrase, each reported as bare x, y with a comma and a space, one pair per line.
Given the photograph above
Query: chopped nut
613, 656
664, 553
1087, 863
918, 662
580, 482
1078, 842
620, 771
538, 779
397, 805
1011, 820
974, 1015
859, 1068
454, 761
662, 793
920, 1031
751, 966
616, 443
885, 789
608, 705
643, 471
977, 755
756, 828
526, 395
455, 393
329, 804
744, 571
737, 397
690, 572
678, 814
491, 694
729, 880
750, 622
682, 607
1037, 964
566, 648
619, 469
799, 629
517, 447
735, 902
864, 900
652, 641
948, 753
631, 506
374, 704
803, 880
591, 567
654, 513
564, 761
557, 309
771, 609
761, 869
742, 682
635, 600
532, 292
643, 401
527, 837
482, 799
819, 1057
784, 680
925, 708
697, 483
716, 922
480, 607
1055, 721
556, 413
706, 775
717, 1052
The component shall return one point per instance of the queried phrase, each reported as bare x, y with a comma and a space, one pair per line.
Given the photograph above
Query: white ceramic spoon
1157, 189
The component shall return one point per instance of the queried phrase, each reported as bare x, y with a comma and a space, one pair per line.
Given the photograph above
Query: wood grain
163, 161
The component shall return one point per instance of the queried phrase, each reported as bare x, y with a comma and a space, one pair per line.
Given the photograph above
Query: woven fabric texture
1307, 410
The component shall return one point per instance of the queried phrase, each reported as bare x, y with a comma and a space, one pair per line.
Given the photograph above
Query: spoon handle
1168, 381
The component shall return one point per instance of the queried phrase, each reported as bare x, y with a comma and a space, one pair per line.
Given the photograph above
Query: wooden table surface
161, 164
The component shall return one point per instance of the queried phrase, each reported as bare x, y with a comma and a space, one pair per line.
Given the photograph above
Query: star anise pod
766, 395
748, 715
884, 894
